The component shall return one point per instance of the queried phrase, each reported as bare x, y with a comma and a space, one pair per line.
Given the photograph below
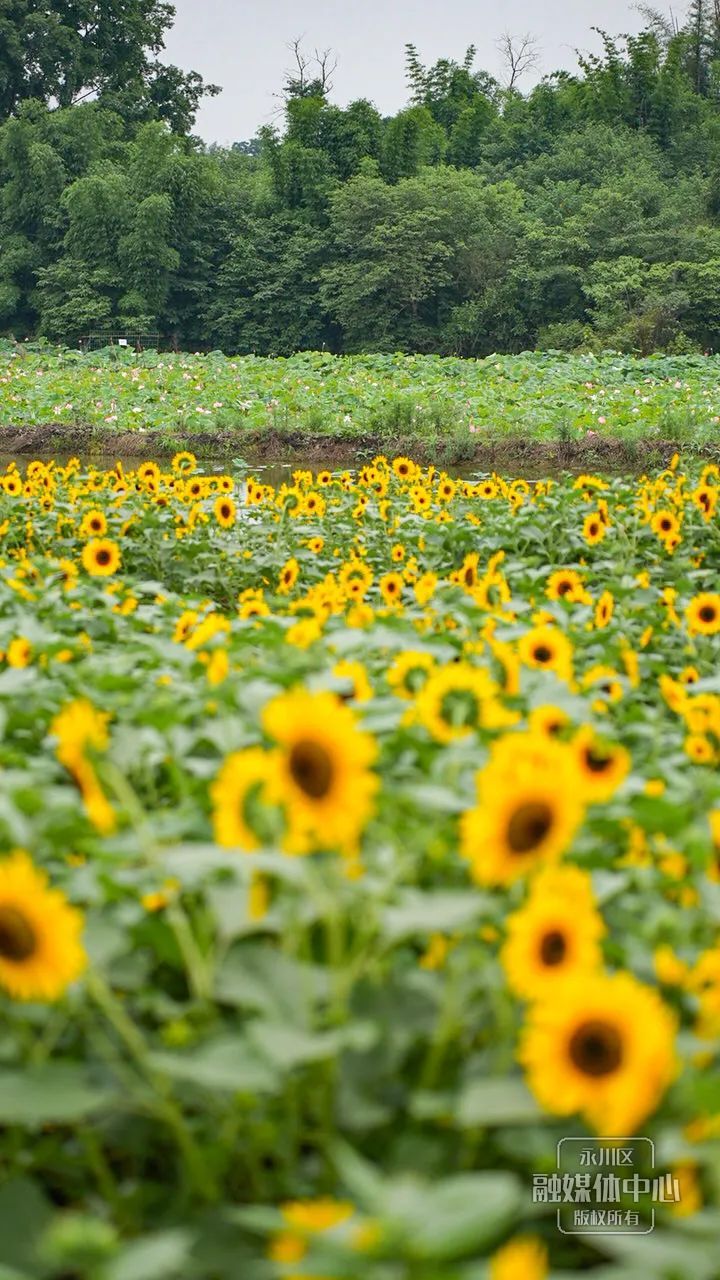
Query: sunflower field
360, 842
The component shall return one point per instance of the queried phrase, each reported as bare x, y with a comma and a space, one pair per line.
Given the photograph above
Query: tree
519, 56
66, 51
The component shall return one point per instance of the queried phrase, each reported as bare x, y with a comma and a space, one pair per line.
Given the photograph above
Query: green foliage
448, 404
585, 214
66, 52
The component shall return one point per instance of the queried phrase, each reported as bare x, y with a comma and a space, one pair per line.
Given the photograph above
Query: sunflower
703, 614
183, 462
79, 726
446, 489
522, 1258
547, 649
548, 719
706, 498
554, 935
101, 557
604, 609
405, 469
458, 699
699, 748
605, 683
19, 652
601, 1045
530, 806
565, 584
356, 674
93, 524
391, 585
594, 528
242, 778
148, 471
602, 766
304, 1219
409, 671
355, 577
467, 575
323, 774
40, 948
224, 509
12, 484
288, 576
665, 525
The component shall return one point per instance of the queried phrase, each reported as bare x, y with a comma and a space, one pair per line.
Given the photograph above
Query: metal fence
126, 340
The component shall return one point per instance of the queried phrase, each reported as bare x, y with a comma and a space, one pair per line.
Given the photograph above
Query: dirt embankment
478, 453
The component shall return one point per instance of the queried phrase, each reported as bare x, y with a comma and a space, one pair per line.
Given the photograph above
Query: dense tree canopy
584, 213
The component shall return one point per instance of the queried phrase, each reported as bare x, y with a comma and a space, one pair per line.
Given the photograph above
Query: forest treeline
584, 213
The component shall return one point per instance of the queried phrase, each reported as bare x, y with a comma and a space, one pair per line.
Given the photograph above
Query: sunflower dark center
596, 1048
103, 556
596, 761
528, 826
564, 587
311, 768
542, 653
469, 576
707, 613
17, 937
553, 948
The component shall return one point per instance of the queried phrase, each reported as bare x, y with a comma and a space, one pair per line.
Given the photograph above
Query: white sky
242, 45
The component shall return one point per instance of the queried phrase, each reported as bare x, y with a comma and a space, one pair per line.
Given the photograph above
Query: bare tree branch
326, 64
519, 55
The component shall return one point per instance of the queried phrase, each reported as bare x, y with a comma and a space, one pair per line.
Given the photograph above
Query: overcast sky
242, 45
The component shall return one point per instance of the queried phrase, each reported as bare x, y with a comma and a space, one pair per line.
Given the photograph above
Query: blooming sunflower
391, 585
703, 614
458, 699
604, 609
93, 524
40, 948
323, 775
601, 1045
565, 584
409, 672
665, 525
242, 777
224, 509
101, 557
547, 649
288, 576
594, 528
548, 719
19, 652
602, 766
554, 935
530, 806
405, 469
